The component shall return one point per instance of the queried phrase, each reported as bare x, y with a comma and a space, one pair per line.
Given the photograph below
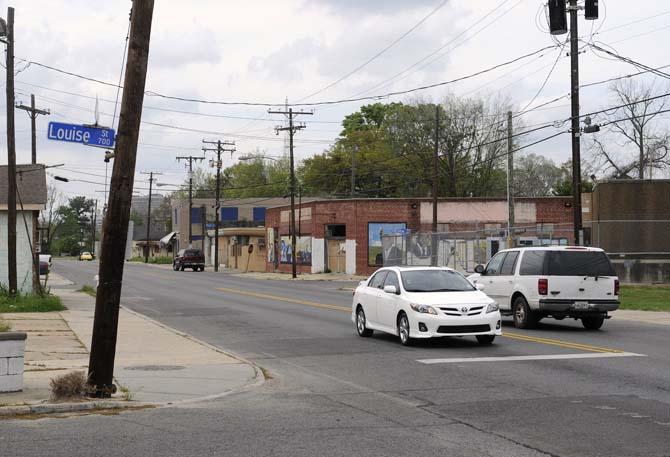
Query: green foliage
392, 149
161, 260
75, 226
29, 303
563, 187
645, 298
256, 177
136, 218
5, 326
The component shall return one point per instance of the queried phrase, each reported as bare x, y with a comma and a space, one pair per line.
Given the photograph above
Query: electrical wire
378, 54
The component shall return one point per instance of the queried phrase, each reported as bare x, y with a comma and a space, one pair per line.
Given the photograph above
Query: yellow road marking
516, 336
560, 343
285, 299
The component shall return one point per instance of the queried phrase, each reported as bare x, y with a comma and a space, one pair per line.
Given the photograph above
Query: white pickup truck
536, 282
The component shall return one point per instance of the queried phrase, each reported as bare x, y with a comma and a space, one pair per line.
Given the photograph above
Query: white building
31, 198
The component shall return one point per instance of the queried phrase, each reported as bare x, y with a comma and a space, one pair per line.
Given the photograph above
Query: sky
273, 51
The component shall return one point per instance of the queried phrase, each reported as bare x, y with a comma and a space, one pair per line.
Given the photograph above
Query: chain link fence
639, 249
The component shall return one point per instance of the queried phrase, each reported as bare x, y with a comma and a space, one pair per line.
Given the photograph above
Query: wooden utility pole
11, 158
576, 155
115, 229
94, 222
33, 113
190, 160
292, 128
219, 149
510, 182
146, 240
436, 162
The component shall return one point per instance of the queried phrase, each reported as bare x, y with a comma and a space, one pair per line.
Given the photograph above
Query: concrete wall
24, 269
11, 361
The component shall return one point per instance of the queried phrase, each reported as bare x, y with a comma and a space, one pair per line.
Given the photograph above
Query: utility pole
219, 149
436, 162
576, 155
190, 193
292, 128
33, 113
151, 182
510, 183
353, 171
115, 229
94, 221
11, 157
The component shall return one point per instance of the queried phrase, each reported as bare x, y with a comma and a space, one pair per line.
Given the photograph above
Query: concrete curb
59, 408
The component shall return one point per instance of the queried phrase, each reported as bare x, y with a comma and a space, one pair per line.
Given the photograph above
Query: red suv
189, 258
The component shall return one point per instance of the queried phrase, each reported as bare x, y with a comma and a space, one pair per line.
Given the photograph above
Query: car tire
182, 268
593, 322
361, 323
175, 267
523, 316
485, 340
403, 330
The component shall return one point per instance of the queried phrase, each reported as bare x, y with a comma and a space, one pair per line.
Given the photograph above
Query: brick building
350, 236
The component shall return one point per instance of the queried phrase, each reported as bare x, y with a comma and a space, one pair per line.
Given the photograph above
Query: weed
88, 290
127, 394
5, 326
69, 386
29, 303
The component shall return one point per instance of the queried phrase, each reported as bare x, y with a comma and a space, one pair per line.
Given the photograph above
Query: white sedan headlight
425, 309
492, 308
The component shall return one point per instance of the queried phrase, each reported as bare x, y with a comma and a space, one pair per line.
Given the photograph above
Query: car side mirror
479, 269
479, 286
390, 289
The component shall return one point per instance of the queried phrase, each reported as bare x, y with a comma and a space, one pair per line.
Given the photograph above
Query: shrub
69, 386
5, 326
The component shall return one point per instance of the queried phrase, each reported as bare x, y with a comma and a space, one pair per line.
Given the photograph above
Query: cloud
379, 7
286, 63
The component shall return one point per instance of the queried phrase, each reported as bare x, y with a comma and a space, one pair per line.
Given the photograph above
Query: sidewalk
648, 317
155, 363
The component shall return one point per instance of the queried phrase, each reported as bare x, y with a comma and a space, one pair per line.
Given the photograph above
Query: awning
167, 239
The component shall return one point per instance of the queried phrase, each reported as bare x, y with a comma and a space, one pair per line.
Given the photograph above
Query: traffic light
558, 22
591, 10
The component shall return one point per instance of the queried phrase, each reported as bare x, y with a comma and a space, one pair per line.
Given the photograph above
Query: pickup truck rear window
192, 253
579, 263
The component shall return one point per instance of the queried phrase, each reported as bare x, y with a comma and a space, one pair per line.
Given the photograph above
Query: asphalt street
558, 390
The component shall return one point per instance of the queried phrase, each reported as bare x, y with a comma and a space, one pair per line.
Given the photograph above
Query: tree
634, 124
389, 150
563, 186
537, 176
50, 218
75, 226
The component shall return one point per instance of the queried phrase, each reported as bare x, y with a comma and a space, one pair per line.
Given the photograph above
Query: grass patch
88, 290
645, 298
5, 326
166, 260
28, 303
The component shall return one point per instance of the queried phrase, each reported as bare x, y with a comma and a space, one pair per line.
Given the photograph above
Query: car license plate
581, 305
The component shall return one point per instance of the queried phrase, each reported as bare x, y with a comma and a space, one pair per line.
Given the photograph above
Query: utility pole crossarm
291, 128
220, 148
190, 192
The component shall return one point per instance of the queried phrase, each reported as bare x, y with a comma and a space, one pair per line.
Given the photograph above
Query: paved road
333, 393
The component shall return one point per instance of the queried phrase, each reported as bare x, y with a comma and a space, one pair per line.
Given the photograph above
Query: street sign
90, 136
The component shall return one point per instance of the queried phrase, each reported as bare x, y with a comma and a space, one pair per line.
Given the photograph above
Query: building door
335, 253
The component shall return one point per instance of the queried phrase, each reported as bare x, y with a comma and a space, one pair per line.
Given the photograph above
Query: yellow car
85, 256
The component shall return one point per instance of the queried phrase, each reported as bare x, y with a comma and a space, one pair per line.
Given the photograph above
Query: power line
378, 54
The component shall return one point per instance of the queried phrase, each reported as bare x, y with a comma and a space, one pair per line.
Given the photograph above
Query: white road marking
518, 358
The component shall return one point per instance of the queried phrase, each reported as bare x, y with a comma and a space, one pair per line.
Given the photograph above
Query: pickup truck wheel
175, 267
523, 316
182, 268
593, 322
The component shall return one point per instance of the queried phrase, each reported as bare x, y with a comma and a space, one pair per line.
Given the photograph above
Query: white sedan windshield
435, 281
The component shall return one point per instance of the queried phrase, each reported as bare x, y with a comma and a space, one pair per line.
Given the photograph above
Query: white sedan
424, 302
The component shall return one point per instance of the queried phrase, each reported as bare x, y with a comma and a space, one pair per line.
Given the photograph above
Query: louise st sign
72, 133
